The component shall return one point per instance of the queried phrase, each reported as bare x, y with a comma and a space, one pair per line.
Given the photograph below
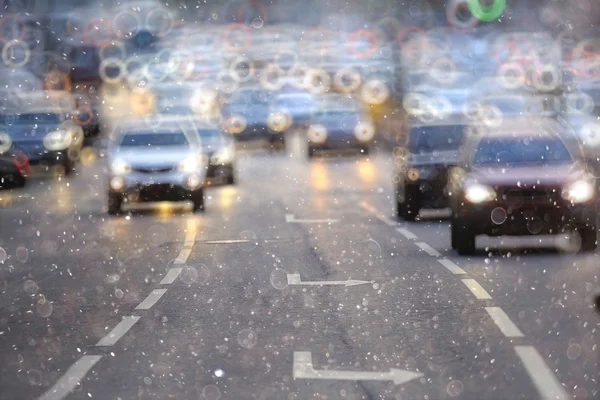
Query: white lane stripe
406, 233
543, 378
226, 241
508, 328
450, 266
171, 276
428, 249
477, 290
118, 331
183, 256
190, 238
67, 383
151, 299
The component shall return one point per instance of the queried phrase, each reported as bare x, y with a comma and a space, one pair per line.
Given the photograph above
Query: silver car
155, 161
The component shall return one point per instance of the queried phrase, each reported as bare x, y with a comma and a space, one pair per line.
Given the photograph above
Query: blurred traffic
483, 113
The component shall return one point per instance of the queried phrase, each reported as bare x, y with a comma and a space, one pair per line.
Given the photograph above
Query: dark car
430, 151
513, 182
221, 152
42, 139
339, 123
246, 116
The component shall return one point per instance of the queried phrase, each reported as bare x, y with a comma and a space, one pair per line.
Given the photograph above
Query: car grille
153, 170
529, 196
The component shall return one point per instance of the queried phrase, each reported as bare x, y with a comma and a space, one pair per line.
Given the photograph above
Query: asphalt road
296, 283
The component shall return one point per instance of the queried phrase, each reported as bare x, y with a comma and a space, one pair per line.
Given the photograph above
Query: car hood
27, 134
153, 158
527, 176
441, 158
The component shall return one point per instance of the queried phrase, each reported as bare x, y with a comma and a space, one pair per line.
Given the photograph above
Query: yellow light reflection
366, 171
318, 176
226, 196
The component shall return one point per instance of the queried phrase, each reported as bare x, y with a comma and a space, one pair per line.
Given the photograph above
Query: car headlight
279, 121
5, 142
224, 155
364, 131
480, 193
190, 164
317, 133
235, 124
579, 192
120, 167
57, 140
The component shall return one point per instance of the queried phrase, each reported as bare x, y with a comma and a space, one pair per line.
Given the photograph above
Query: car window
153, 140
426, 139
521, 150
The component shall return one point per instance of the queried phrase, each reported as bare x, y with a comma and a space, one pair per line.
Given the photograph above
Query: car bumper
219, 172
170, 187
496, 220
340, 142
255, 133
431, 193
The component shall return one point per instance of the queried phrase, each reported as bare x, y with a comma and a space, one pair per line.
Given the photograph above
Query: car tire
231, 179
310, 152
589, 240
198, 200
409, 208
462, 238
114, 203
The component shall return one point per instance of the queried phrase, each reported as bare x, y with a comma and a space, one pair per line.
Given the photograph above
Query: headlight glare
224, 155
120, 167
480, 193
190, 164
579, 192
57, 140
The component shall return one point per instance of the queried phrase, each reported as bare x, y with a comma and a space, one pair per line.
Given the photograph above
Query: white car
155, 161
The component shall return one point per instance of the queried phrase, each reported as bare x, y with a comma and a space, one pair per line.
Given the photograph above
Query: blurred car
520, 181
339, 123
246, 116
297, 104
221, 152
432, 148
40, 138
153, 160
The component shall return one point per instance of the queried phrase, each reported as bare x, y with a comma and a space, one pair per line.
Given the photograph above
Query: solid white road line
151, 299
543, 378
385, 220
290, 218
477, 290
303, 369
67, 383
294, 280
450, 266
508, 328
171, 276
406, 233
226, 241
118, 331
428, 249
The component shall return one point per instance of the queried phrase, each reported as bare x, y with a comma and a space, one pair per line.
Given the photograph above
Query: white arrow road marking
294, 279
290, 218
303, 369
67, 383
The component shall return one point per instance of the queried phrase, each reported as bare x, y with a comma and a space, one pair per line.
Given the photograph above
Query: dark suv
423, 165
520, 181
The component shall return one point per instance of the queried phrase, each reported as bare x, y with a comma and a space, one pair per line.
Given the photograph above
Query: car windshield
427, 139
154, 140
276, 200
521, 150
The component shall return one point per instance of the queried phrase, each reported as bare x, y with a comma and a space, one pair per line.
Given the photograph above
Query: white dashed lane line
477, 290
118, 331
406, 233
428, 249
151, 299
171, 276
504, 323
188, 244
450, 266
542, 376
72, 378
231, 241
